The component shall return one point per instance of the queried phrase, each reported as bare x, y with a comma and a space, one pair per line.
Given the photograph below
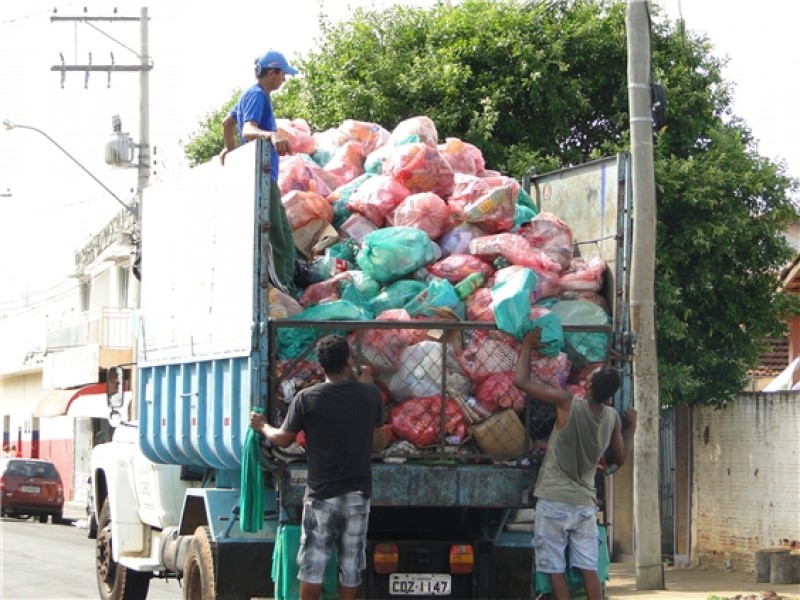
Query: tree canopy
543, 84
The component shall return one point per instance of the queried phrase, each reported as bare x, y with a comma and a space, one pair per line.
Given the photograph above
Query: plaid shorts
339, 522
559, 525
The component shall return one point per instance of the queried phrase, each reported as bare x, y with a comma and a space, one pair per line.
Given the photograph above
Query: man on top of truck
565, 491
338, 417
252, 115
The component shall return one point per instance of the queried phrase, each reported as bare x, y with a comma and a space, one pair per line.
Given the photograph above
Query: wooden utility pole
646, 516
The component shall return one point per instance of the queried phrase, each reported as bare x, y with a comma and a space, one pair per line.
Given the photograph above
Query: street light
8, 124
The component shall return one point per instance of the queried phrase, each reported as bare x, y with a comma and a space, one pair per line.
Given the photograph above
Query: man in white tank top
566, 496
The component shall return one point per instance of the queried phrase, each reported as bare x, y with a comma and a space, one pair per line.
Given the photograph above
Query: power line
36, 14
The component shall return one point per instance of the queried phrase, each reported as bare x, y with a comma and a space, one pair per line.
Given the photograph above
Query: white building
55, 352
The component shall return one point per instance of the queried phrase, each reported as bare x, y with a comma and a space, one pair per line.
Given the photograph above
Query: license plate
30, 489
419, 584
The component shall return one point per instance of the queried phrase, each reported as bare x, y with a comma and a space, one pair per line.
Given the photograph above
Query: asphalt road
55, 562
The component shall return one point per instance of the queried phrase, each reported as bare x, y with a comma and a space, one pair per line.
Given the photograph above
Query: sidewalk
696, 583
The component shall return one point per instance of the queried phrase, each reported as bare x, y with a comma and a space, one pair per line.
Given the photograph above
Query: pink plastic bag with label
425, 211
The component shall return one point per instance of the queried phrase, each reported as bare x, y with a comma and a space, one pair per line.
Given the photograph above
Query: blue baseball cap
272, 59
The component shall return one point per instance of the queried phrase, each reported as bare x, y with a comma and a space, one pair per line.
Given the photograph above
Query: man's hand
222, 156
532, 339
363, 373
282, 147
257, 421
631, 417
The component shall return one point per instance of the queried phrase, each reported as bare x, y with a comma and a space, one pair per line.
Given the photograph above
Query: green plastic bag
551, 335
439, 293
392, 252
511, 302
583, 346
395, 295
294, 341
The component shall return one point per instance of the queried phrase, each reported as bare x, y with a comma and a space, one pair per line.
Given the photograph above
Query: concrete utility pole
143, 68
646, 515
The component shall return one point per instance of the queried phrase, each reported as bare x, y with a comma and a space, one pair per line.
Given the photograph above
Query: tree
542, 85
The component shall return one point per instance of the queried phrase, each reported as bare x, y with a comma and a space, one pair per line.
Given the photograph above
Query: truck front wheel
114, 581
198, 570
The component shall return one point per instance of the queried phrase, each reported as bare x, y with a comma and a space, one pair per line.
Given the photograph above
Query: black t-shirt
338, 420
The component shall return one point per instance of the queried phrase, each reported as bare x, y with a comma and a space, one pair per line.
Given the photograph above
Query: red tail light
3, 483
59, 490
462, 559
385, 558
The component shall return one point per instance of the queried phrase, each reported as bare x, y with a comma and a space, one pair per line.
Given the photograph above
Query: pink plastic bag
298, 134
371, 136
490, 202
456, 267
348, 162
515, 249
425, 211
323, 291
420, 168
297, 174
549, 233
423, 127
302, 207
457, 239
479, 306
551, 370
584, 275
377, 197
462, 157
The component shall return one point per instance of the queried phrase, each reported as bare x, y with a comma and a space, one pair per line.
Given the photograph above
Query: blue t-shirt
255, 105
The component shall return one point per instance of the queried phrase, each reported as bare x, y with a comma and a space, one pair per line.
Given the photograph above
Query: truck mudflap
244, 568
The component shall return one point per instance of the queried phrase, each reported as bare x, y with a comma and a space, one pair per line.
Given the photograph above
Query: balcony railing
107, 327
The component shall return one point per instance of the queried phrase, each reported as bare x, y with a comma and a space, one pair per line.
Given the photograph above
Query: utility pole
143, 68
646, 515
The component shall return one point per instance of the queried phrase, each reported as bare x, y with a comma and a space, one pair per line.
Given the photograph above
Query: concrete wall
746, 478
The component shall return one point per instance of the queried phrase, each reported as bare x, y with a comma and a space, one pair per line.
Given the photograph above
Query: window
123, 283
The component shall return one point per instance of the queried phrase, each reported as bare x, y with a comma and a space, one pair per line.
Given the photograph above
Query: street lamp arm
10, 125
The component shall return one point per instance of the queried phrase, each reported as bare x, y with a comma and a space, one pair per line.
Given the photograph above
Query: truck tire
198, 570
114, 581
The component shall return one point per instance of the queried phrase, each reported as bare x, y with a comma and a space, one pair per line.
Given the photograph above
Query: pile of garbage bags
395, 226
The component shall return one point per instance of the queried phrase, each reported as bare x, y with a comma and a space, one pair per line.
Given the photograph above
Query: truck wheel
114, 581
198, 570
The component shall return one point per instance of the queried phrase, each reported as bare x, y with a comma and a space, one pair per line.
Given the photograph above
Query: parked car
31, 488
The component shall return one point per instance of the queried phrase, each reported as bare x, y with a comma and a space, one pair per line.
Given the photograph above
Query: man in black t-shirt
338, 417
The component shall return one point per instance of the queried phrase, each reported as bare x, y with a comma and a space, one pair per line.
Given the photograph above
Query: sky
201, 51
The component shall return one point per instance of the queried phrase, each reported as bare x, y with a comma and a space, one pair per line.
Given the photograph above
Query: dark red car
30, 487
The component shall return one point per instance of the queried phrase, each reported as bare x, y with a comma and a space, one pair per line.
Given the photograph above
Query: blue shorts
559, 525
339, 522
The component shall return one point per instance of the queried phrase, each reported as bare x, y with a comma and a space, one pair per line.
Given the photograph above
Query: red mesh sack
487, 353
302, 207
456, 267
382, 347
498, 391
417, 420
425, 211
377, 197
420, 168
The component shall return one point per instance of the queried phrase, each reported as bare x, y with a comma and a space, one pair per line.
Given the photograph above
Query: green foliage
207, 141
543, 85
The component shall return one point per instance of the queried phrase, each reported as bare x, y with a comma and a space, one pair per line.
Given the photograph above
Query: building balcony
108, 328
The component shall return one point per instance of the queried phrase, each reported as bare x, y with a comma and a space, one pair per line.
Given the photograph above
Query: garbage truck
450, 511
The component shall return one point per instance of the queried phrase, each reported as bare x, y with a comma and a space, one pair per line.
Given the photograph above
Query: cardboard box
313, 237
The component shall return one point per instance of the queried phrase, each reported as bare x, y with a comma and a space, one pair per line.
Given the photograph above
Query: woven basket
501, 436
